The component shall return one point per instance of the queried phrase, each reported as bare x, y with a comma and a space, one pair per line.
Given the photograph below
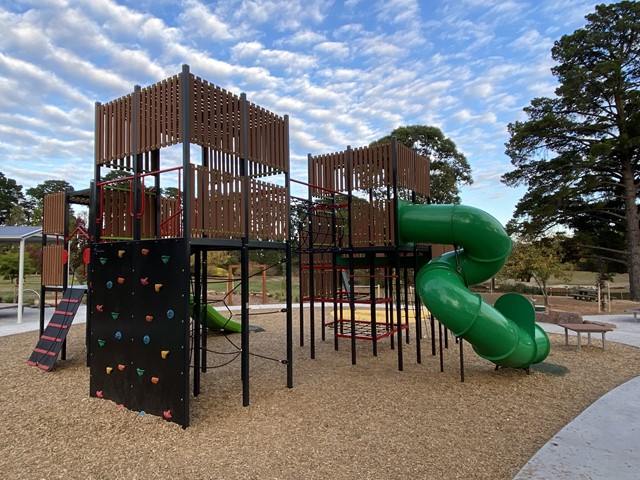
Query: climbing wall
140, 326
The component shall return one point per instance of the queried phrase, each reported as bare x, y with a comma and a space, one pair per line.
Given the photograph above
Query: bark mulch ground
339, 421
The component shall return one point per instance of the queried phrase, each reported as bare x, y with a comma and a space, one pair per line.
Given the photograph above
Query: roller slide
505, 334
217, 321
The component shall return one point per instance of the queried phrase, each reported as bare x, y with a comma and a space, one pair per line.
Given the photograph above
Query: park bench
588, 294
586, 327
635, 312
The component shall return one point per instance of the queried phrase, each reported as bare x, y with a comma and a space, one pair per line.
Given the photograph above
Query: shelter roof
10, 233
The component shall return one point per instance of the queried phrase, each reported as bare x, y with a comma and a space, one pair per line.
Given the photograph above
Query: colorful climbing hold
155, 380
109, 370
103, 260
99, 394
99, 308
144, 281
109, 284
158, 287
170, 314
140, 371
118, 335
149, 318
164, 354
142, 412
121, 253
121, 367
165, 259
101, 342
144, 251
146, 339
120, 280
115, 315
167, 415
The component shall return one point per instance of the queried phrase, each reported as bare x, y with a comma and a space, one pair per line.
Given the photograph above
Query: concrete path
603, 441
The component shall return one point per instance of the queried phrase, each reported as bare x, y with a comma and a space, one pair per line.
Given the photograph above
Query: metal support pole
244, 258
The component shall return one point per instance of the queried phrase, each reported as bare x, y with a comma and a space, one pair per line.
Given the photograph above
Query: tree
539, 260
10, 266
10, 196
41, 190
449, 168
578, 153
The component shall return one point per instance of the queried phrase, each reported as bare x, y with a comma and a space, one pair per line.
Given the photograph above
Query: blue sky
346, 72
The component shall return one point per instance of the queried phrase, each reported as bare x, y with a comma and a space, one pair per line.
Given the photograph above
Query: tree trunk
633, 230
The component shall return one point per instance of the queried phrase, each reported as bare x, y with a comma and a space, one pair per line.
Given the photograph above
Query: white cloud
199, 22
337, 50
256, 53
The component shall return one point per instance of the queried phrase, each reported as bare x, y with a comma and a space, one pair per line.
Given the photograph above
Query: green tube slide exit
505, 334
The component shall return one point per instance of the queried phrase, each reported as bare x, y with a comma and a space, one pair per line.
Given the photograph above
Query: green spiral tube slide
505, 334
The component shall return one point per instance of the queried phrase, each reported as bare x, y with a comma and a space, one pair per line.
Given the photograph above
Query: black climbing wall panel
140, 326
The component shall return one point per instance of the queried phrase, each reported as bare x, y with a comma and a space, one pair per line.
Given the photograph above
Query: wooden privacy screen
53, 214
328, 171
219, 208
52, 266
323, 273
371, 223
217, 122
371, 168
117, 219
157, 124
413, 171
217, 118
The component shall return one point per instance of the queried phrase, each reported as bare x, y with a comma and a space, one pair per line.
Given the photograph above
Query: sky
346, 72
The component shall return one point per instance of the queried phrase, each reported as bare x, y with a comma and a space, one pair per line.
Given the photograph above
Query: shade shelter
12, 234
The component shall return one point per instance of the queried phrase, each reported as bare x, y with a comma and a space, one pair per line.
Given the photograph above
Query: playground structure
152, 225
362, 222
349, 236
362, 226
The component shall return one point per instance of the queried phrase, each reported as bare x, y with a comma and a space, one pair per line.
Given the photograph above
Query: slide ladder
49, 345
505, 334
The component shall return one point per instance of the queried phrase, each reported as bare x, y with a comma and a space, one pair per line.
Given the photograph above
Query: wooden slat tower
152, 222
350, 254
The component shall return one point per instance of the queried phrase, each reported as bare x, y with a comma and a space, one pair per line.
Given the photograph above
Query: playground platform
598, 443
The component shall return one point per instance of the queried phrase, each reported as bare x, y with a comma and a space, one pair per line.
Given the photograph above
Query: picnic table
587, 328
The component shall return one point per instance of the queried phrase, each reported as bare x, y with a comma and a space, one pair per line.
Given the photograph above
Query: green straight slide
505, 334
217, 321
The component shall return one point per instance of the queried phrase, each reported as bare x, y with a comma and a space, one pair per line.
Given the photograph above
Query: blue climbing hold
118, 335
146, 339
170, 314
109, 284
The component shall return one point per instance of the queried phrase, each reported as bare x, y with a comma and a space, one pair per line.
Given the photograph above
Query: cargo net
319, 226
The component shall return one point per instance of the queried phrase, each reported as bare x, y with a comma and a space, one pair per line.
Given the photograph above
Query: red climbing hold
99, 308
99, 394
149, 318
144, 281
145, 251
167, 415
155, 380
120, 280
121, 367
